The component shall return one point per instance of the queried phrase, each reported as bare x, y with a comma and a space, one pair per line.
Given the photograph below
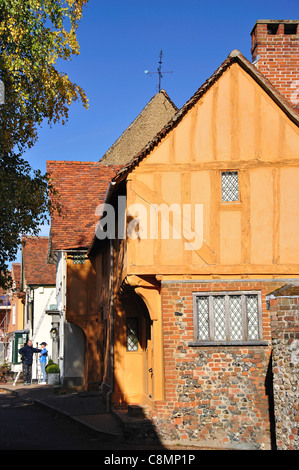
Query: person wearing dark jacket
27, 352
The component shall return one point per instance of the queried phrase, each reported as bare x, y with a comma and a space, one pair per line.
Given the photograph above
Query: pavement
87, 408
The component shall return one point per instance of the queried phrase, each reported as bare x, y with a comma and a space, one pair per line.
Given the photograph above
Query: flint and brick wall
285, 358
218, 395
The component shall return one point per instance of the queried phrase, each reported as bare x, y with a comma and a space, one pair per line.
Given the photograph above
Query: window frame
228, 342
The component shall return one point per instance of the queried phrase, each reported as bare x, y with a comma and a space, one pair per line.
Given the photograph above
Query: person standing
27, 352
43, 360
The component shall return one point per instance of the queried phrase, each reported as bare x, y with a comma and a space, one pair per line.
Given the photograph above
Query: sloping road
24, 426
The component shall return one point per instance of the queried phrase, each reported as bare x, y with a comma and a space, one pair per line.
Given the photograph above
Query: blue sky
119, 39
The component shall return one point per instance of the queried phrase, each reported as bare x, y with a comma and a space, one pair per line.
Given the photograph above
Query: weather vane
159, 70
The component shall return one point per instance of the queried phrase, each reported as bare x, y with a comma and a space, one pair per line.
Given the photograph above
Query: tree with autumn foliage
34, 35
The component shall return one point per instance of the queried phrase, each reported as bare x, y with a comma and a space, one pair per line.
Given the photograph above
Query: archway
137, 348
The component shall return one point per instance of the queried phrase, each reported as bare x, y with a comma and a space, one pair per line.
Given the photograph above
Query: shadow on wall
132, 387
270, 394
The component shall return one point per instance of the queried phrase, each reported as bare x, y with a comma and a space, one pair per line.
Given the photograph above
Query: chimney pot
275, 52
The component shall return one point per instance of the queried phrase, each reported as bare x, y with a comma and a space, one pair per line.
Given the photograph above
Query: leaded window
132, 334
78, 259
228, 316
229, 186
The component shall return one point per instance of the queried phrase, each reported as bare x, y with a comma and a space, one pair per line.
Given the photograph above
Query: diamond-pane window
252, 316
219, 318
229, 186
203, 317
230, 317
78, 259
132, 334
235, 317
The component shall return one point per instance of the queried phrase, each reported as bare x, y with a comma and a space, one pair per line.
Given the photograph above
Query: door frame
144, 352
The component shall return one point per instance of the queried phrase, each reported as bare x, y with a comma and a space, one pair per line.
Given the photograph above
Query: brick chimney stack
275, 52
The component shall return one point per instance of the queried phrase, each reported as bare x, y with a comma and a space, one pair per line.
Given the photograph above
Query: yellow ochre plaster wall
235, 126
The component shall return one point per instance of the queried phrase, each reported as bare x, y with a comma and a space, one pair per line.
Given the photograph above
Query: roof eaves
173, 122
234, 56
267, 86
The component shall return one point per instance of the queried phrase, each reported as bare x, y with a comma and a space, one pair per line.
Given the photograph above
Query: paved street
44, 418
29, 427
26, 426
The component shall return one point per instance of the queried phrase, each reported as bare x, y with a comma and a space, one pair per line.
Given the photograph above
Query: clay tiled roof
16, 274
81, 189
36, 269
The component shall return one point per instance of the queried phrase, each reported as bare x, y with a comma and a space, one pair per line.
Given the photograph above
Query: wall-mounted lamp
54, 334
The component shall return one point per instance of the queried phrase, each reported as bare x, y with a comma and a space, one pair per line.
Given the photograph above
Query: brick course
279, 56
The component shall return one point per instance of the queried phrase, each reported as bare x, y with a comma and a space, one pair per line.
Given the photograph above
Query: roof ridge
234, 56
78, 162
35, 236
135, 121
164, 92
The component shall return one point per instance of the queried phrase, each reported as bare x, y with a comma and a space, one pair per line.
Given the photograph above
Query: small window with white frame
227, 317
229, 186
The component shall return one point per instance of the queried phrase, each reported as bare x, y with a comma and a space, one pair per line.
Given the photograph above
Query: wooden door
148, 365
